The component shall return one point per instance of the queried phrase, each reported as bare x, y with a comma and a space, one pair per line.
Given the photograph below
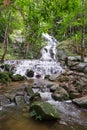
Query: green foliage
4, 78
17, 77
60, 18
34, 114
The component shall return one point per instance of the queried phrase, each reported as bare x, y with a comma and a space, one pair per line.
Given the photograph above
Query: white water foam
46, 65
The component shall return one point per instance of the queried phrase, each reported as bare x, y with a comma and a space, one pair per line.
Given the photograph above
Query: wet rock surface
43, 111
82, 102
69, 85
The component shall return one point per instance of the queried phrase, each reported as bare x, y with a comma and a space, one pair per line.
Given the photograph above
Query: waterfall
46, 65
49, 51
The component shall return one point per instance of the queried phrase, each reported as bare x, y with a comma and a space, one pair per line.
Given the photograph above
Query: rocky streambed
43, 89
67, 93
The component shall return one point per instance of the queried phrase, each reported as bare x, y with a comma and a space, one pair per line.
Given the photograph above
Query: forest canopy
61, 18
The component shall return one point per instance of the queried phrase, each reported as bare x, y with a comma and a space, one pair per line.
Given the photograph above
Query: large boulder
60, 94
61, 54
29, 73
82, 102
43, 111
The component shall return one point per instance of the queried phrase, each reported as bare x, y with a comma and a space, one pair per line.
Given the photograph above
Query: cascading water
46, 65
49, 51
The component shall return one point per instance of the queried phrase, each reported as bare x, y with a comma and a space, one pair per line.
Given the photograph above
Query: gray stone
11, 96
29, 91
82, 102
85, 59
74, 95
74, 58
60, 94
4, 101
53, 77
81, 67
53, 88
85, 70
61, 55
19, 100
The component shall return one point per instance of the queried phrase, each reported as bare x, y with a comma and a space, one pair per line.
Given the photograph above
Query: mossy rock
60, 94
35, 97
18, 77
6, 67
10, 73
43, 111
4, 78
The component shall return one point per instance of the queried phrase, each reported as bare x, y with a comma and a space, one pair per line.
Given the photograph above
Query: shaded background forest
22, 23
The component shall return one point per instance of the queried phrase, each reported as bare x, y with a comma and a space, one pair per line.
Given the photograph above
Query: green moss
4, 78
17, 77
43, 111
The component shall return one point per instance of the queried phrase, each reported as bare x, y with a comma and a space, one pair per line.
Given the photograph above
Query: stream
13, 117
16, 118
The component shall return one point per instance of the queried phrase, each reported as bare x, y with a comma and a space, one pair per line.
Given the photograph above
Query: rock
74, 58
73, 65
43, 111
29, 73
74, 95
20, 92
53, 77
19, 100
4, 101
63, 78
53, 88
46, 76
61, 55
81, 67
49, 85
35, 97
29, 91
85, 59
38, 76
18, 77
85, 70
7, 67
10, 96
82, 102
60, 94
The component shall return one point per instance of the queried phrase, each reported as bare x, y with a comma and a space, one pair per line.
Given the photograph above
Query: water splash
46, 65
49, 51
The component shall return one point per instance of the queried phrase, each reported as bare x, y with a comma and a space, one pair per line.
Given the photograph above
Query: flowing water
15, 118
46, 65
72, 117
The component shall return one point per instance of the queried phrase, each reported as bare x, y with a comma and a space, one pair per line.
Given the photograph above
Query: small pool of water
20, 120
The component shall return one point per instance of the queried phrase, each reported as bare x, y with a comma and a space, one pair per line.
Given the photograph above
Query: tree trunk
26, 49
5, 43
83, 33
